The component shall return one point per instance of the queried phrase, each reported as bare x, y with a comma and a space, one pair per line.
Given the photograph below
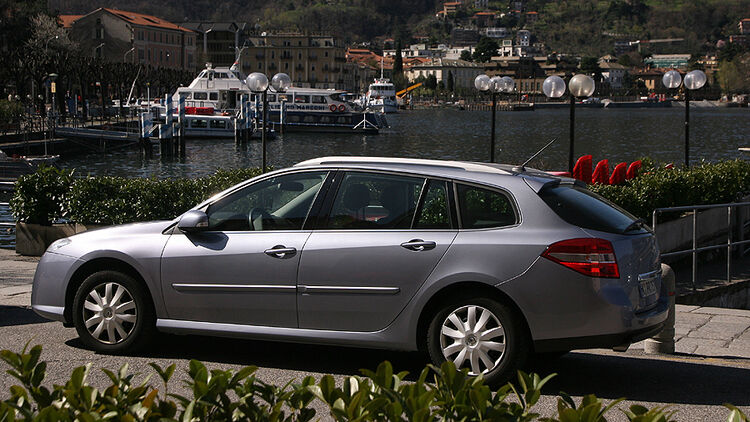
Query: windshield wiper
639, 223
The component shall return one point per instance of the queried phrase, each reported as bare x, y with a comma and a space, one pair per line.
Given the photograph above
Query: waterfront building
613, 73
312, 60
122, 36
744, 26
218, 41
463, 72
454, 53
484, 19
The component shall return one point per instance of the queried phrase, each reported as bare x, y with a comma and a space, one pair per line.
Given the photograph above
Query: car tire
500, 328
113, 313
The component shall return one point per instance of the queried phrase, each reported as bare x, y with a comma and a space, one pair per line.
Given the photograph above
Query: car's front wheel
479, 334
112, 312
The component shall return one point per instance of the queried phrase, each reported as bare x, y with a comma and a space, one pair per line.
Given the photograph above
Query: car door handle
280, 251
418, 245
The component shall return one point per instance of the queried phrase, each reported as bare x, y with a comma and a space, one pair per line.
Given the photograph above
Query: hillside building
218, 41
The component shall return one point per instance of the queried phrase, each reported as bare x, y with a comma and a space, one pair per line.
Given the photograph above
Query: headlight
59, 244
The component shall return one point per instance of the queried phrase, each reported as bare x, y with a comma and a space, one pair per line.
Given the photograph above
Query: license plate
647, 287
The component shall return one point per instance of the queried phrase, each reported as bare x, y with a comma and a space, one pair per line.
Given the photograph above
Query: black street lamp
258, 83
494, 85
579, 86
693, 80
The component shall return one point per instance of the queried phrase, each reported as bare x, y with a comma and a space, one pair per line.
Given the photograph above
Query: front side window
278, 203
375, 201
483, 208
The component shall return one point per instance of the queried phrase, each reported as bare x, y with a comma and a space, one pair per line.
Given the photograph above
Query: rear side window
483, 208
583, 208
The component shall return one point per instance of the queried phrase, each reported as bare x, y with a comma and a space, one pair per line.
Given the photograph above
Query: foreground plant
238, 395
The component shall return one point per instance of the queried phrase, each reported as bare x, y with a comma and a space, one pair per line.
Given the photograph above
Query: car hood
120, 238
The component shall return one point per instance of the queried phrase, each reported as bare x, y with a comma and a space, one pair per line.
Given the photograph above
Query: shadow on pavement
18, 315
667, 379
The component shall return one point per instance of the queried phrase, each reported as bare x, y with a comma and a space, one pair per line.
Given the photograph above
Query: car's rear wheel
479, 334
112, 313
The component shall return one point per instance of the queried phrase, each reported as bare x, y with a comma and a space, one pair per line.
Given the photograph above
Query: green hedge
659, 187
51, 194
228, 395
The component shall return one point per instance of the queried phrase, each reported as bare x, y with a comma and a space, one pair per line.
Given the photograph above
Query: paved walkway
699, 331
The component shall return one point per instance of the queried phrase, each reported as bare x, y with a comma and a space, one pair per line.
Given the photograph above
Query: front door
243, 270
380, 241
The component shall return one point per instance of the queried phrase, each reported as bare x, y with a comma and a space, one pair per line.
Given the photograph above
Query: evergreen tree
486, 48
450, 83
398, 63
465, 55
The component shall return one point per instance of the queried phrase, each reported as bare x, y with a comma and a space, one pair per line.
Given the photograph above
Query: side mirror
193, 221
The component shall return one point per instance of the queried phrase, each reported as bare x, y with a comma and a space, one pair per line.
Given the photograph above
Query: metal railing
729, 245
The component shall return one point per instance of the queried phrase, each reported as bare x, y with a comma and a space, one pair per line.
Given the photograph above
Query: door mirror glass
193, 221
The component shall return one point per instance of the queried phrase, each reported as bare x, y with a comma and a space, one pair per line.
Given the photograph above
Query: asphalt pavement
711, 365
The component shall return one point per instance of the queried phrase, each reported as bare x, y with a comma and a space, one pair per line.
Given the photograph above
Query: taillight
591, 257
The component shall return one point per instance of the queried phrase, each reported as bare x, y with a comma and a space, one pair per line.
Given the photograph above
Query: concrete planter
34, 239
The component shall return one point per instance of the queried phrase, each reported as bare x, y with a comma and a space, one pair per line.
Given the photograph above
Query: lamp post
695, 79
494, 85
579, 86
126, 54
258, 83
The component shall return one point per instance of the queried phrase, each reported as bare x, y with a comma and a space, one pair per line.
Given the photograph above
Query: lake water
615, 134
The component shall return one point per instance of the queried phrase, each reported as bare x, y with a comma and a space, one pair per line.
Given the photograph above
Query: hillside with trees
572, 26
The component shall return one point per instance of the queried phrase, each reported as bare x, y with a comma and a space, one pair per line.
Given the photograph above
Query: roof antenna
522, 167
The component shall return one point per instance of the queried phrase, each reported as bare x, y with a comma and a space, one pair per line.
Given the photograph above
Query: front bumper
51, 278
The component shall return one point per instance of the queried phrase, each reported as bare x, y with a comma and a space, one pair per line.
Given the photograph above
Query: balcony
260, 56
299, 67
313, 57
340, 59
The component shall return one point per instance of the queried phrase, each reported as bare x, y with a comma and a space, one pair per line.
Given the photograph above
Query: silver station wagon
480, 264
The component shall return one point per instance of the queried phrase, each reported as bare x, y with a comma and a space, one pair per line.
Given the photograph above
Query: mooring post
181, 123
664, 341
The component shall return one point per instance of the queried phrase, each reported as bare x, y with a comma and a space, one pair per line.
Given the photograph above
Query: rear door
381, 238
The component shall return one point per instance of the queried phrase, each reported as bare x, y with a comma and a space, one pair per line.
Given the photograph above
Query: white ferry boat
213, 99
317, 110
381, 96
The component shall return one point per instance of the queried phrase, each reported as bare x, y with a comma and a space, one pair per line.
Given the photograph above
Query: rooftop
141, 19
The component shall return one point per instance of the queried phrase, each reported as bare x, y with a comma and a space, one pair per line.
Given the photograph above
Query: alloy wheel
473, 337
110, 313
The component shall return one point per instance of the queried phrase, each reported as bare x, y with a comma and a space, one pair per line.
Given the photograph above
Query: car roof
441, 168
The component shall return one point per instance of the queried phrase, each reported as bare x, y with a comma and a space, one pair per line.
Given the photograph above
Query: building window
100, 33
299, 56
190, 59
149, 54
140, 35
141, 54
326, 54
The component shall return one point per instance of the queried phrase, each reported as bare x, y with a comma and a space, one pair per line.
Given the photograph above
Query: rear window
583, 208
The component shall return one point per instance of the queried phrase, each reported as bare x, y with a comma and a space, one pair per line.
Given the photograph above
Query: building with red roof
123, 36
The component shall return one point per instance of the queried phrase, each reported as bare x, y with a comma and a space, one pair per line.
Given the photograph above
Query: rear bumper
596, 342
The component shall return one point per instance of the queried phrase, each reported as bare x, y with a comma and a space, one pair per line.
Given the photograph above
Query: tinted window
214, 96
318, 99
583, 208
278, 203
484, 208
303, 99
375, 201
200, 95
433, 213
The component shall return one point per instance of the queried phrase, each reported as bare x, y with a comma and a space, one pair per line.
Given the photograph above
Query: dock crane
403, 92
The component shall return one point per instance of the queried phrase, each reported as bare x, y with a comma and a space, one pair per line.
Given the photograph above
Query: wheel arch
459, 291
96, 265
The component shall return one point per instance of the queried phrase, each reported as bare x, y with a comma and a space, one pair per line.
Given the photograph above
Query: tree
465, 55
450, 82
430, 82
398, 62
485, 49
